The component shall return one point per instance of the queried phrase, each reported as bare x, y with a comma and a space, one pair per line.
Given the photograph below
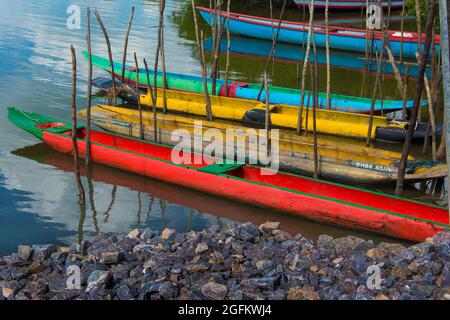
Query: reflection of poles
150, 207
111, 204
124, 58
91, 200
138, 96
153, 102
108, 45
418, 96
274, 44
139, 212
89, 88
82, 196
305, 66
199, 38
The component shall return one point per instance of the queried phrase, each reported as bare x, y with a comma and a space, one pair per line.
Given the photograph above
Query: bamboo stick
155, 124
305, 64
274, 44
76, 157
199, 38
89, 88
419, 89
111, 61
402, 28
125, 47
138, 96
315, 104
162, 53
267, 113
205, 83
405, 89
227, 67
216, 49
327, 46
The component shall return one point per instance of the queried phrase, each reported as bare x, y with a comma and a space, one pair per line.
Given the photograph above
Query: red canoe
305, 197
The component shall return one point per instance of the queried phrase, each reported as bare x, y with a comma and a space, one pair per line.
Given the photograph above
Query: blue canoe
249, 91
346, 39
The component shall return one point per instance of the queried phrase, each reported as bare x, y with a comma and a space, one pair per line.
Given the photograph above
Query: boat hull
317, 209
346, 39
309, 198
347, 4
249, 91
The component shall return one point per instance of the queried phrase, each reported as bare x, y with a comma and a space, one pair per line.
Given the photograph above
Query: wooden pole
76, 157
227, 67
216, 48
162, 53
205, 83
199, 38
402, 28
315, 104
305, 66
155, 123
274, 44
267, 114
444, 23
89, 88
418, 96
125, 47
375, 88
138, 96
111, 61
327, 45
405, 89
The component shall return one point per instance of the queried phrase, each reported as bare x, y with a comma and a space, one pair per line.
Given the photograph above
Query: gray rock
98, 279
43, 252
214, 291
24, 252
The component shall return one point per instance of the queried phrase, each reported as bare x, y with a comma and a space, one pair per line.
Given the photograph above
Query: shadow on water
179, 208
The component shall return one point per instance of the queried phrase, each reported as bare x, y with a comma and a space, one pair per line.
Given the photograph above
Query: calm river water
38, 195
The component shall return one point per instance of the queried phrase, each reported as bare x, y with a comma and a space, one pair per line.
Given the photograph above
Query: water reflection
39, 203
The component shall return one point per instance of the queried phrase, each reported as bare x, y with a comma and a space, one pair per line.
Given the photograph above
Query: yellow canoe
328, 122
338, 159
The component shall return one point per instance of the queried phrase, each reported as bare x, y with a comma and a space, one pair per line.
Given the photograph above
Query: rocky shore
242, 261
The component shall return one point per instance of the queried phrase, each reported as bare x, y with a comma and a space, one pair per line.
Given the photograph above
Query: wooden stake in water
125, 47
227, 67
89, 88
417, 99
304, 70
267, 113
155, 123
138, 97
108, 45
274, 44
216, 48
327, 45
76, 157
199, 38
405, 89
162, 8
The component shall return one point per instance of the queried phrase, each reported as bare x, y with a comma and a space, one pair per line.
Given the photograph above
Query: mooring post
89, 89
327, 48
443, 14
138, 96
304, 70
227, 67
111, 61
125, 46
417, 99
155, 124
76, 156
274, 45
